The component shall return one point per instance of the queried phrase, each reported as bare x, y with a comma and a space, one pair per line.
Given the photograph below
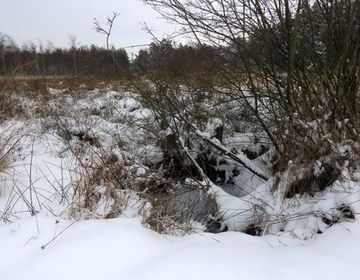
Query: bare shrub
286, 66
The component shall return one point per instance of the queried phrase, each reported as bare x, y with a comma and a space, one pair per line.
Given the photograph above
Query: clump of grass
165, 216
9, 142
173, 206
8, 105
102, 188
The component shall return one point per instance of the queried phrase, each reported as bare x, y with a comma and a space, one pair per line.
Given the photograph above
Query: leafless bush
293, 65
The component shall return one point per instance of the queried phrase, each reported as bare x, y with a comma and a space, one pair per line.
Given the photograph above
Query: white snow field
53, 245
122, 248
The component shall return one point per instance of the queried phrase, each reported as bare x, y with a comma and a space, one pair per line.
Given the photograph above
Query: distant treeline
165, 59
38, 60
161, 58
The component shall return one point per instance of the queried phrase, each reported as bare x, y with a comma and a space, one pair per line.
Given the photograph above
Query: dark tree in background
165, 59
74, 61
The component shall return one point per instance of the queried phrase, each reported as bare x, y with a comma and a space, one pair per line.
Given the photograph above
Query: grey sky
55, 20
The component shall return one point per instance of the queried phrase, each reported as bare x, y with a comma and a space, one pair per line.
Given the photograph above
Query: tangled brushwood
294, 68
252, 128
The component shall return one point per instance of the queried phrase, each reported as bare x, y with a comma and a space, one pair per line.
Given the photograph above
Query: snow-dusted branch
243, 160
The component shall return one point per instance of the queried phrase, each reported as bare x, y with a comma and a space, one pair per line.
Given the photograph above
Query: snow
123, 249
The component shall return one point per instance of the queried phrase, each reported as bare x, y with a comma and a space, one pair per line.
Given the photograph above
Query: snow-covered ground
122, 248
53, 244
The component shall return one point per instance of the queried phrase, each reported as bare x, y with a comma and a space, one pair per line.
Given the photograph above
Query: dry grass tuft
102, 188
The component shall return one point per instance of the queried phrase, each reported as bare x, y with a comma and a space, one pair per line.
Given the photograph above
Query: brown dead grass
40, 84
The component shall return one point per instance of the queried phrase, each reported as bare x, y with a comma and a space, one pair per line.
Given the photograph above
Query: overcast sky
55, 20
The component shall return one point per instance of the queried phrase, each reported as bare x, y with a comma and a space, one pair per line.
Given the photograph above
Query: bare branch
106, 30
